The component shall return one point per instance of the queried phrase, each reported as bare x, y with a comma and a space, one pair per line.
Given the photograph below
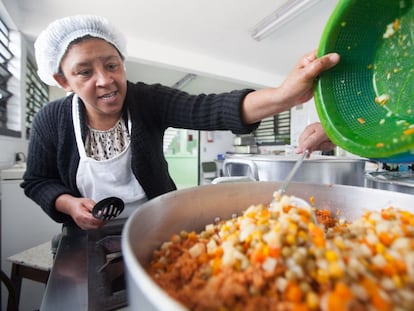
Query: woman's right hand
80, 209
314, 138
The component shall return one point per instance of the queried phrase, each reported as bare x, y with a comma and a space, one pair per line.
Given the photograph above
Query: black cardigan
53, 155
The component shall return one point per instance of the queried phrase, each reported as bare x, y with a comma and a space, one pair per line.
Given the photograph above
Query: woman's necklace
106, 144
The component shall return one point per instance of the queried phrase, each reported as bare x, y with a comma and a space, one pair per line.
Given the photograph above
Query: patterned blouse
104, 145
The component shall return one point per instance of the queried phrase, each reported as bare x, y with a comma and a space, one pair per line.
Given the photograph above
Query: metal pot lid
401, 178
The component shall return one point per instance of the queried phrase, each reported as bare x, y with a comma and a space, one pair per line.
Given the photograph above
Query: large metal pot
191, 209
316, 169
393, 181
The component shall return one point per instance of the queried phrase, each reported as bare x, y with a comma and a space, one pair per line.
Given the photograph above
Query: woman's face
94, 70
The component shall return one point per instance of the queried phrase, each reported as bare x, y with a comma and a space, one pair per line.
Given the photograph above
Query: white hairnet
53, 42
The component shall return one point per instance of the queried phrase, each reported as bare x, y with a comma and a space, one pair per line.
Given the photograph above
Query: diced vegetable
277, 258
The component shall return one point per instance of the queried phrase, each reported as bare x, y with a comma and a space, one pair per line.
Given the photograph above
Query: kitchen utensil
366, 102
108, 208
285, 184
282, 189
193, 208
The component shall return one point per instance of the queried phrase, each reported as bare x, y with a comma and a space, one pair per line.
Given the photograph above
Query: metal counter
67, 285
76, 281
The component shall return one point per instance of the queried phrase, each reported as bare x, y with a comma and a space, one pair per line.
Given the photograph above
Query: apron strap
76, 126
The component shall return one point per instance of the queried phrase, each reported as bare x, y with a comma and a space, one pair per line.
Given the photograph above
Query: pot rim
294, 157
404, 176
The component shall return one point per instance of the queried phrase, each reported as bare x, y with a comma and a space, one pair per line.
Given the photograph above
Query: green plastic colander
366, 102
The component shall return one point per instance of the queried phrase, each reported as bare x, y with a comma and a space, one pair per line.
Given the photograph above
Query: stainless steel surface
392, 181
192, 209
316, 169
66, 289
75, 282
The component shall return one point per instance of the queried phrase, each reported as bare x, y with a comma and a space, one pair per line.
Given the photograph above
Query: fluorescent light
184, 81
281, 16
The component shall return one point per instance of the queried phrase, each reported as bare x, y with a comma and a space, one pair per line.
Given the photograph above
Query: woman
106, 136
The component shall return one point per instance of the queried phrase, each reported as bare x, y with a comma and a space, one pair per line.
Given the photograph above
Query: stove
106, 275
88, 272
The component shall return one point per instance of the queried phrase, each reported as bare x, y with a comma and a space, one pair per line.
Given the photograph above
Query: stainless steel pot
316, 169
191, 209
393, 181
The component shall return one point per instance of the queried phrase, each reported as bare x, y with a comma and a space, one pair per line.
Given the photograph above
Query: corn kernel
290, 239
312, 301
335, 270
331, 256
322, 276
397, 281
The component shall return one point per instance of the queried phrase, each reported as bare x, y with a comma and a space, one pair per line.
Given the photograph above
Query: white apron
113, 177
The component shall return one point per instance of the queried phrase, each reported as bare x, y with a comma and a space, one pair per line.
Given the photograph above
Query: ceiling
210, 38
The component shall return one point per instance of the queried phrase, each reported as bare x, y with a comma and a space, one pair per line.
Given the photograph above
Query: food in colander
277, 258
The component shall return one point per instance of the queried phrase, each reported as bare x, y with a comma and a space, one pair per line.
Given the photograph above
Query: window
5, 56
274, 130
36, 94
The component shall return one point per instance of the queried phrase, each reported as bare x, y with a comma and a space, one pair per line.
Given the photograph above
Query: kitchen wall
222, 142
301, 116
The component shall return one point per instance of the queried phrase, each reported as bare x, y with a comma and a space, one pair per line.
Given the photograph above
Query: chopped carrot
339, 299
192, 236
258, 255
385, 238
361, 120
216, 265
409, 131
275, 252
400, 266
343, 291
300, 307
380, 303
387, 214
293, 292
389, 269
317, 235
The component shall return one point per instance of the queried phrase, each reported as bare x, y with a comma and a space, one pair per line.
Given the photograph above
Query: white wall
301, 116
222, 142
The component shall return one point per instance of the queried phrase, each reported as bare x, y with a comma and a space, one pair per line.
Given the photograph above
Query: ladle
282, 189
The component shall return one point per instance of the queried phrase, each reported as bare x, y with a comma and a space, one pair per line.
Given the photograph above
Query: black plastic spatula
108, 208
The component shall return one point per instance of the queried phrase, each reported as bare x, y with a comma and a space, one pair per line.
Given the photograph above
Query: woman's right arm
80, 209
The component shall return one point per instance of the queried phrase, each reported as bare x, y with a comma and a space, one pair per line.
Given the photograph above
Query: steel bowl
191, 209
316, 169
392, 181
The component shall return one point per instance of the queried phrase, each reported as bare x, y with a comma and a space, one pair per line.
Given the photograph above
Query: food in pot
277, 258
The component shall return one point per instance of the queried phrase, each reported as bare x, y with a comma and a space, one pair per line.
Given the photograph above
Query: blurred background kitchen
197, 46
